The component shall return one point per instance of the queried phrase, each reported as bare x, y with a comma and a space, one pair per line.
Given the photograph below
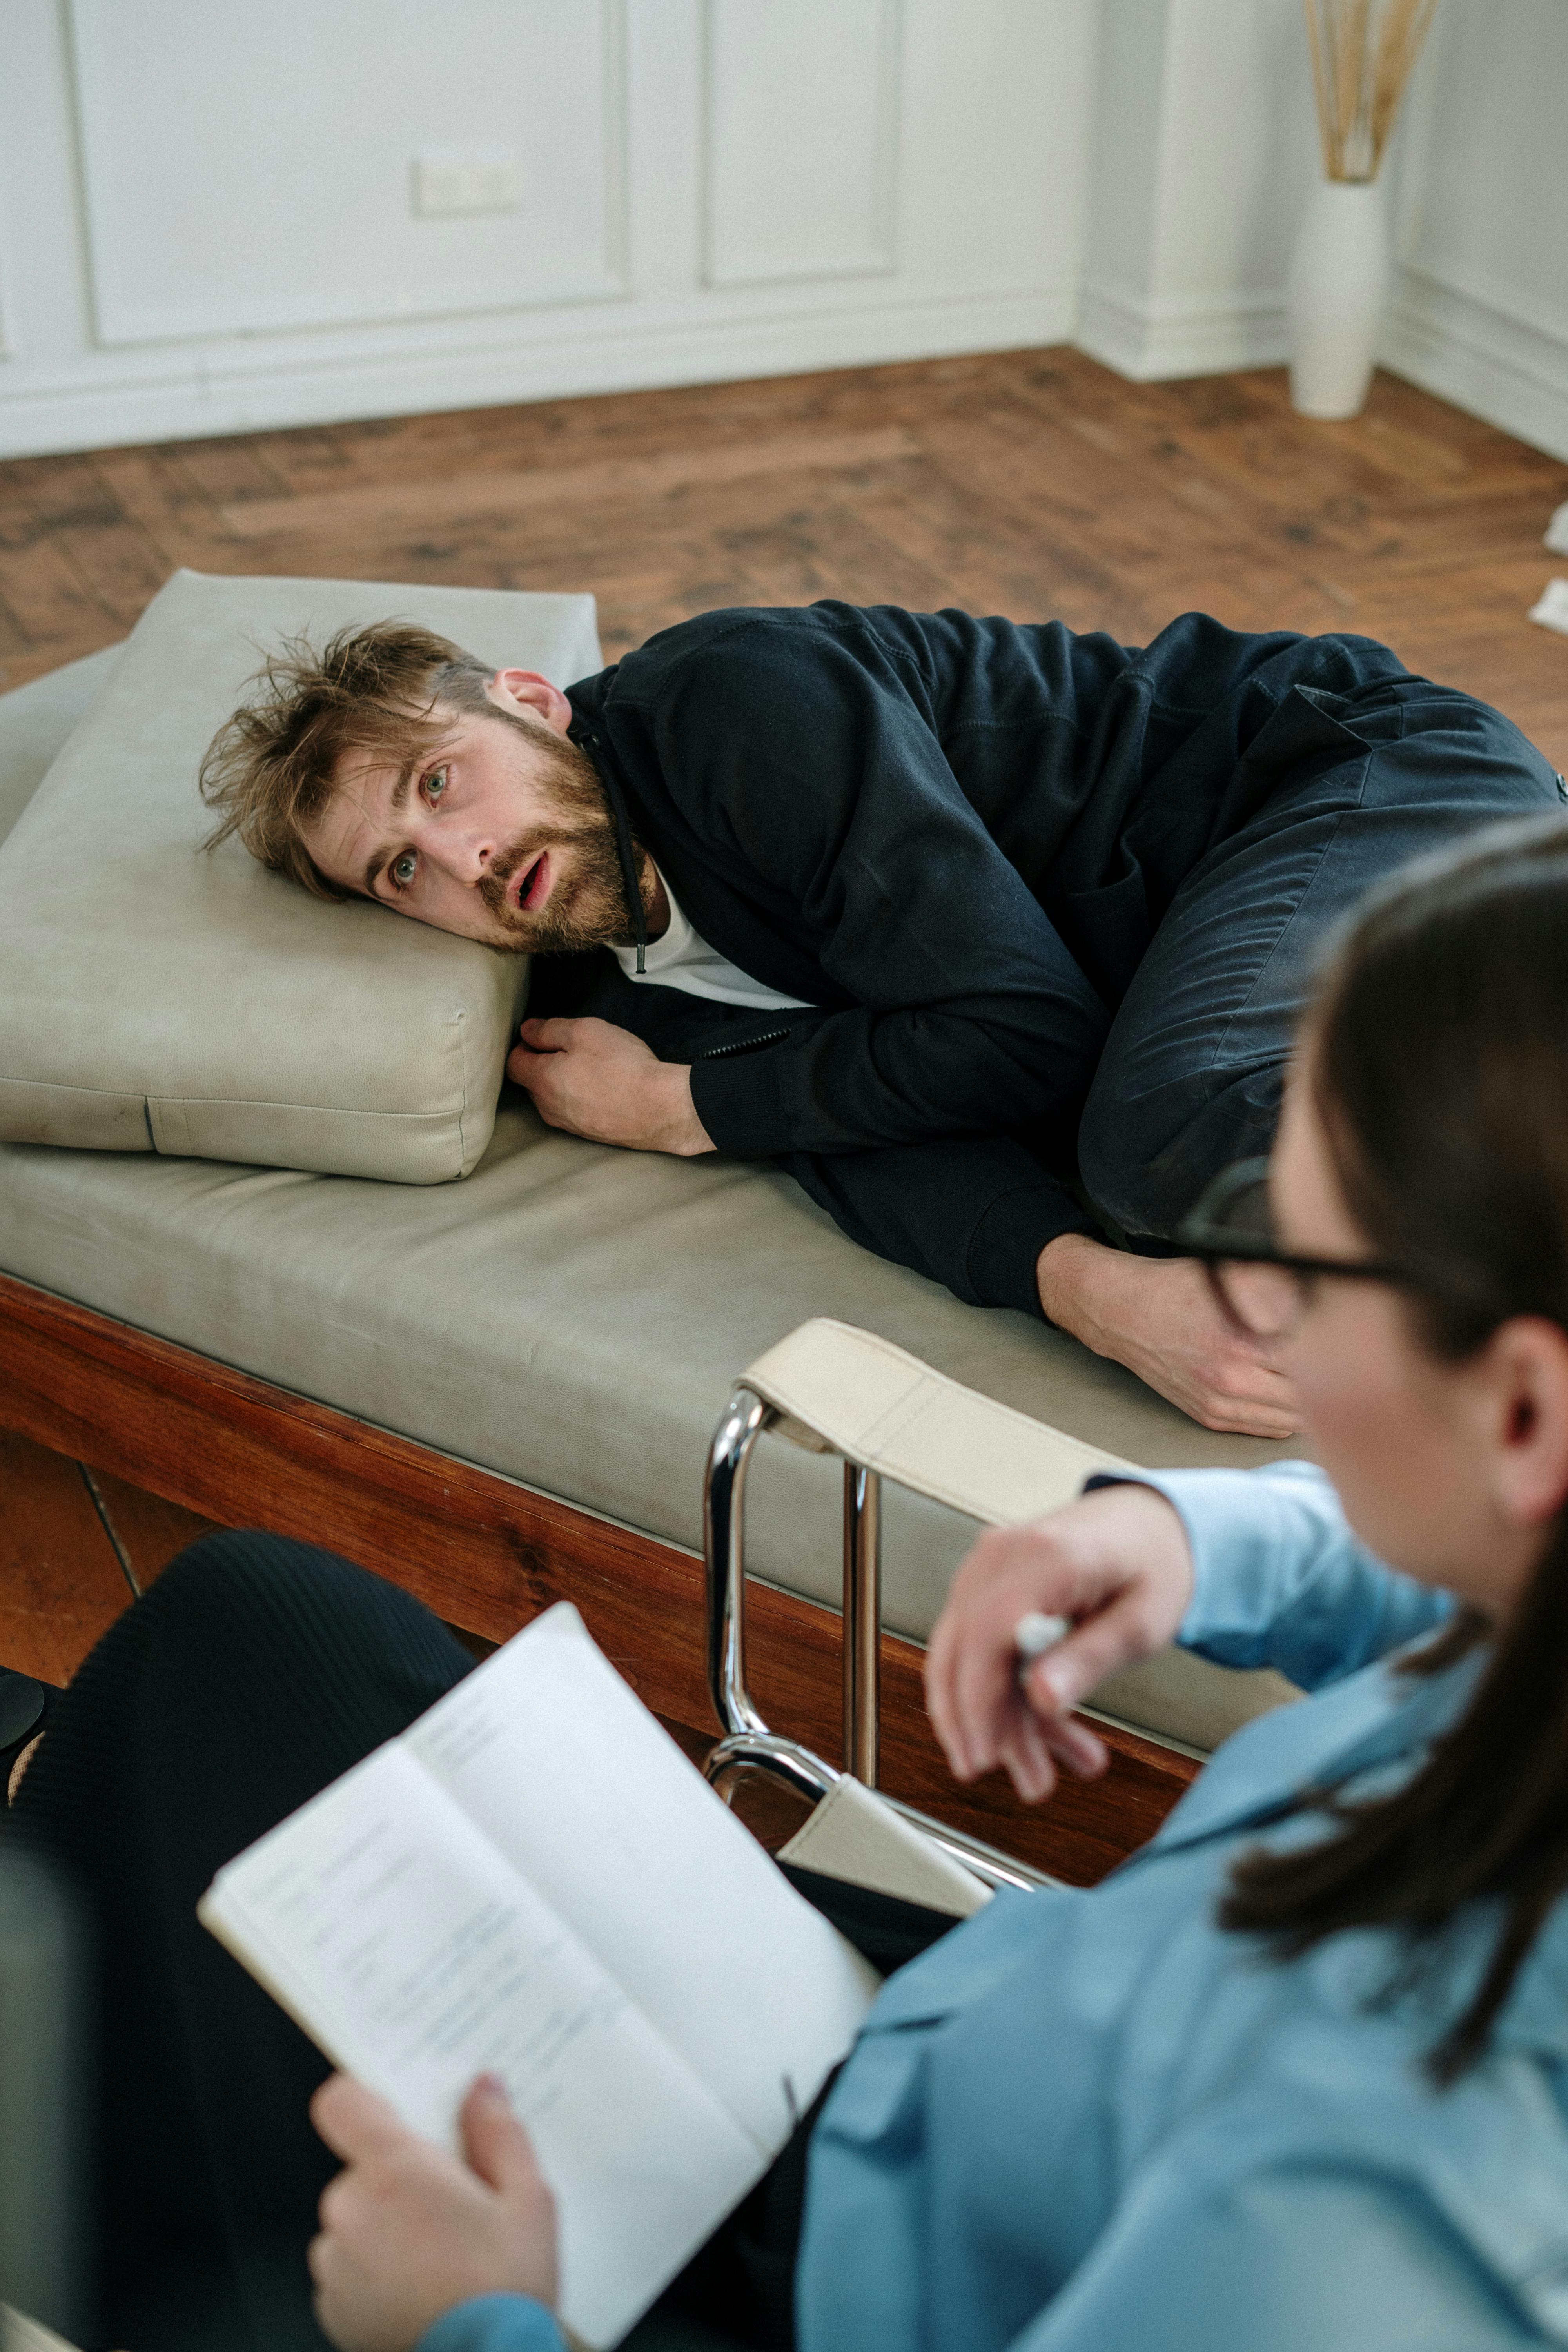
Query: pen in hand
1034, 1634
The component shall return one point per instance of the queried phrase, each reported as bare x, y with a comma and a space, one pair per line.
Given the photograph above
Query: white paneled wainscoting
215, 217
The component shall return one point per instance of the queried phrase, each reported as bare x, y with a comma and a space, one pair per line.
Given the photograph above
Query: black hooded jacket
953, 839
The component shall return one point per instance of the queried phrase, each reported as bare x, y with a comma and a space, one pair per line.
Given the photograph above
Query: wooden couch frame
486, 1553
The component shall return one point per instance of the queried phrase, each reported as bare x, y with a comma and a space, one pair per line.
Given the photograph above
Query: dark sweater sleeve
813, 763
971, 1211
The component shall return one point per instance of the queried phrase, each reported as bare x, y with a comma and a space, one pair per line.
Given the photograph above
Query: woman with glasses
1297, 2076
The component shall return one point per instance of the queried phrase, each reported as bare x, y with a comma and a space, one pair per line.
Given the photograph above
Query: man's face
501, 833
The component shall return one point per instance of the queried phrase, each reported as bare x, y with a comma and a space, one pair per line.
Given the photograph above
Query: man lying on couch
992, 935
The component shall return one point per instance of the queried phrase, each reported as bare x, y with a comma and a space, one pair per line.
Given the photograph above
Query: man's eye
401, 870
435, 783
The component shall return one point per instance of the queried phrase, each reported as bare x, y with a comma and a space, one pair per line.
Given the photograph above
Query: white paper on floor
1552, 609
1557, 530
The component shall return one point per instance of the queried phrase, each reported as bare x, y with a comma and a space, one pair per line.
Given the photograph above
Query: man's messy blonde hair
382, 690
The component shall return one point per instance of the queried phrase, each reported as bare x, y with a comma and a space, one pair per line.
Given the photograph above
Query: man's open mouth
531, 888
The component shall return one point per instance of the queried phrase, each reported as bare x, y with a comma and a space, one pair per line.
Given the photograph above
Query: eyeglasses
1264, 1290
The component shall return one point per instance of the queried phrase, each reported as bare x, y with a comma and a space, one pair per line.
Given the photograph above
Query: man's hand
407, 2232
1159, 1317
1119, 1563
602, 1083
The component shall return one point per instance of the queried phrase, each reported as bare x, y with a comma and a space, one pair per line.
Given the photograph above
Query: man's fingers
535, 1072
1241, 1394
495, 2143
549, 1036
355, 2122
1231, 1419
539, 1076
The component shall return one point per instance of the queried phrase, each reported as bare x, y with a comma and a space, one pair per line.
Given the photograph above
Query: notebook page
406, 1946
559, 1763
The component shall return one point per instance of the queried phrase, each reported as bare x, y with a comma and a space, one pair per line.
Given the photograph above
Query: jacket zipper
741, 1044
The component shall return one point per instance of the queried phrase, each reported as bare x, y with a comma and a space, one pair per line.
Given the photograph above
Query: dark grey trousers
1191, 1075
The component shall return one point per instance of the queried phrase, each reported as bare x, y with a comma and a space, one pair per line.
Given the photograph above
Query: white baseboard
1150, 339
1513, 370
101, 401
1509, 370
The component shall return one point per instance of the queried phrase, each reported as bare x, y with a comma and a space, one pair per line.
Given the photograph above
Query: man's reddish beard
587, 906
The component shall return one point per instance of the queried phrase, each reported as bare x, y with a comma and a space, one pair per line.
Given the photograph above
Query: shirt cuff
739, 1100
494, 2323
1247, 1552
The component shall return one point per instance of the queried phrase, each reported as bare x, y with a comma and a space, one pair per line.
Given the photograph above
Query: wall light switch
467, 179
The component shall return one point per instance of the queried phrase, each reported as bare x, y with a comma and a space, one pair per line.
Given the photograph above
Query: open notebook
534, 1880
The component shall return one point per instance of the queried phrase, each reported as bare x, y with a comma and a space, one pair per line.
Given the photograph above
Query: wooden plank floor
1032, 483
76, 1547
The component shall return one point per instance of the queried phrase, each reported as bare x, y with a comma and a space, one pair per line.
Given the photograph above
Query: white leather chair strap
842, 1391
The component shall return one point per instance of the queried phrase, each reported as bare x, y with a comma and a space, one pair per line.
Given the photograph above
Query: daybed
502, 1390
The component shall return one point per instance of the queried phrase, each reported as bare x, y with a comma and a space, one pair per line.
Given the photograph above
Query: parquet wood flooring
61, 1580
77, 1546
1034, 483
146, 1530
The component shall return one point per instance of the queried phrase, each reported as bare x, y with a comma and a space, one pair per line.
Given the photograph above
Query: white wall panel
1205, 149
997, 112
205, 223
252, 171
1480, 305
800, 139
205, 217
1482, 204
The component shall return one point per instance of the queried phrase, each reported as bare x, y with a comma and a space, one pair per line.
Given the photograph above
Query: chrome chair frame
747, 1744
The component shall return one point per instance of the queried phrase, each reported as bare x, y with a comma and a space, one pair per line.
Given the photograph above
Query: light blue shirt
1091, 2121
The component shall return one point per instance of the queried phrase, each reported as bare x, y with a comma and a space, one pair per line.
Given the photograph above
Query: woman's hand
1117, 1562
407, 2230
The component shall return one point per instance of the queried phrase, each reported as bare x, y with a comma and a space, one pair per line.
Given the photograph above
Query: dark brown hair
268, 768
1438, 1046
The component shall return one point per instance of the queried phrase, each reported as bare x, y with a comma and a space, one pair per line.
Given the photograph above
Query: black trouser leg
254, 1672
1192, 1070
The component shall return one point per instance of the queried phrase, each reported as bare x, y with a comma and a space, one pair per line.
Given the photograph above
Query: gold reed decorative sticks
1362, 56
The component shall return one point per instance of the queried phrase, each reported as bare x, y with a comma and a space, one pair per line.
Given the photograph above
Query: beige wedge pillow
154, 998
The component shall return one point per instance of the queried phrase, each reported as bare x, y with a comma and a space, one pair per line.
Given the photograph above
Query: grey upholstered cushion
573, 1317
153, 998
38, 720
